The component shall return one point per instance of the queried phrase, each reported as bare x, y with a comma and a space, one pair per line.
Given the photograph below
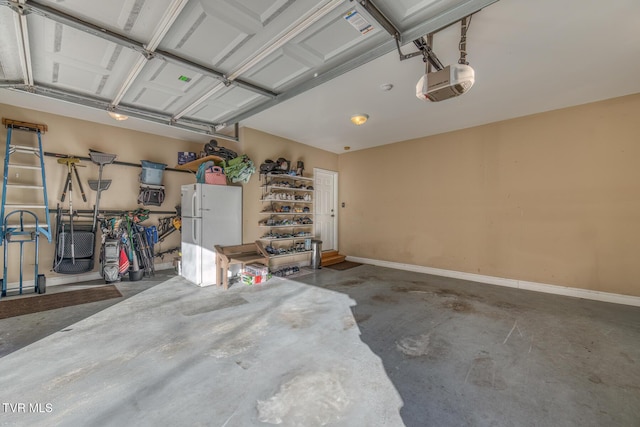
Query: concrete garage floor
369, 346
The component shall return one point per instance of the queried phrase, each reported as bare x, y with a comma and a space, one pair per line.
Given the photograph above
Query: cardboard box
256, 269
186, 157
252, 279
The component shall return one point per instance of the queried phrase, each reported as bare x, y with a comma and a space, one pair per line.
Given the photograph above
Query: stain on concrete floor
384, 347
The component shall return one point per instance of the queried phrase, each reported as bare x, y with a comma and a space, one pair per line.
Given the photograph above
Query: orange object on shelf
193, 166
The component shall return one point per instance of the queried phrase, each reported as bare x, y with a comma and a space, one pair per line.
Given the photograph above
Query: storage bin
151, 172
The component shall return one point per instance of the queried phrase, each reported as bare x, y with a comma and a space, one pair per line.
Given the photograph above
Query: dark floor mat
20, 306
344, 265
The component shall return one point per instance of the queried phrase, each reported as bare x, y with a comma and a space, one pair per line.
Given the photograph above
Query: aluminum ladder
43, 227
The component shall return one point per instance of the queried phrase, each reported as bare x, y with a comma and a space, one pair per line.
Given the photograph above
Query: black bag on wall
151, 195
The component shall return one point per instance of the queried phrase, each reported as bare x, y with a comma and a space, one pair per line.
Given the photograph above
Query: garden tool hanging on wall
99, 159
71, 163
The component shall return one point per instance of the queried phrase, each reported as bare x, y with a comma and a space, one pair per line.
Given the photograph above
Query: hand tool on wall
168, 225
72, 164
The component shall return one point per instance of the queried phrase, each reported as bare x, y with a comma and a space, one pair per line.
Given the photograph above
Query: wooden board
193, 166
32, 127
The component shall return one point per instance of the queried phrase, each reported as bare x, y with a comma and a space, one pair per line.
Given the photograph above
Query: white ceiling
528, 57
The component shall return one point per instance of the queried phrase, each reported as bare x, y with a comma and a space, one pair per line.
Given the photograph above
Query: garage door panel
410, 13
207, 39
72, 59
333, 37
166, 85
261, 11
208, 32
228, 101
279, 70
137, 18
10, 68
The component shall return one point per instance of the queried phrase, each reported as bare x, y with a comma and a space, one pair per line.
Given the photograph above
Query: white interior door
326, 208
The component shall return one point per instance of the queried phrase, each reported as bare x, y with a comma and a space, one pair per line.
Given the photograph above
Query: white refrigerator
211, 215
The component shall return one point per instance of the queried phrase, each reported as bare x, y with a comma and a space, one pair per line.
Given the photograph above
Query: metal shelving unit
290, 198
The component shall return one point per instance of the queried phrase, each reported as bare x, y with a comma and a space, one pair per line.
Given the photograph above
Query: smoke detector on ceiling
451, 81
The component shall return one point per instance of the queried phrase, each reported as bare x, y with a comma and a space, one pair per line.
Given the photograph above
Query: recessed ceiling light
359, 119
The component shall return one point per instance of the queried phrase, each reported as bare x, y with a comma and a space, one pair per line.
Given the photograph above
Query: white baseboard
511, 283
75, 278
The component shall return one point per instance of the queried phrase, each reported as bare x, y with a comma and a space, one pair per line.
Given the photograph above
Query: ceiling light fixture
116, 116
359, 119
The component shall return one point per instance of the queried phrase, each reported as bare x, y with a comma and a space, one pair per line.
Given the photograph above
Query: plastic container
152, 172
135, 275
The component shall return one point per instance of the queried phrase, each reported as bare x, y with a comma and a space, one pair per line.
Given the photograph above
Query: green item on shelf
239, 169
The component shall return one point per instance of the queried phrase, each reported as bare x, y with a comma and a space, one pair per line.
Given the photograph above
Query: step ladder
11, 150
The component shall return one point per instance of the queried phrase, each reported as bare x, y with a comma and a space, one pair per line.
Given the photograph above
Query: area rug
344, 265
11, 307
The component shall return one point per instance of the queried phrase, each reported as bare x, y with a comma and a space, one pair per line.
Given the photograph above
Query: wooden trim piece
31, 127
194, 165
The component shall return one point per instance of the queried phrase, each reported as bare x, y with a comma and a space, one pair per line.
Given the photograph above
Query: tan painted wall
551, 198
75, 137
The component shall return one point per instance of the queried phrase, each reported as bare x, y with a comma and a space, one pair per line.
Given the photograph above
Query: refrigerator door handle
194, 204
195, 233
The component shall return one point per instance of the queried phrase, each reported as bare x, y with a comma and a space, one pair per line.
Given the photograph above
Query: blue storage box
186, 157
151, 172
